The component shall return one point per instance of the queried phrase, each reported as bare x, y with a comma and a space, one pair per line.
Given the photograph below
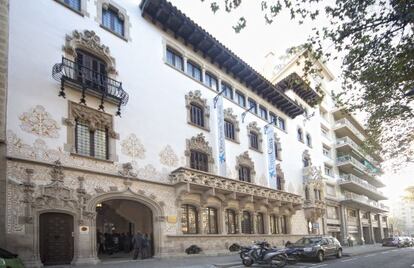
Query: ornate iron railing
91, 81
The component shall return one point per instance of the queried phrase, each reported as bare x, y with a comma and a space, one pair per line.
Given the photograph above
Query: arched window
308, 140
231, 221
300, 135
197, 115
189, 219
260, 223
199, 160
246, 223
245, 173
210, 220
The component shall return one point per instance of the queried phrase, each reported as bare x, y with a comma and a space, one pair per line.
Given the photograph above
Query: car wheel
320, 256
339, 253
247, 262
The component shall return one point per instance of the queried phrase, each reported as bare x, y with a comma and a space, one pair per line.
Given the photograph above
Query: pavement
367, 256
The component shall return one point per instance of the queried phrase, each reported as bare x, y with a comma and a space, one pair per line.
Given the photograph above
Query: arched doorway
117, 221
56, 238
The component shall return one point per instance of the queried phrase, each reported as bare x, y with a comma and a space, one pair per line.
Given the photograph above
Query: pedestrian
350, 243
137, 242
127, 243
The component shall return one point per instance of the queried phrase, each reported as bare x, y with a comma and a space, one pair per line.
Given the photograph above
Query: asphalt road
393, 258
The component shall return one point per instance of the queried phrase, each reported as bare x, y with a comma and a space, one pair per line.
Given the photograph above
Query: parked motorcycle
261, 253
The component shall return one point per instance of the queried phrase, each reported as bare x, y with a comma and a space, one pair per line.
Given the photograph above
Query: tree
409, 196
374, 41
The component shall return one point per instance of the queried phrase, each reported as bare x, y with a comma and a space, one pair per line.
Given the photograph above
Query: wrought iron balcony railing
90, 81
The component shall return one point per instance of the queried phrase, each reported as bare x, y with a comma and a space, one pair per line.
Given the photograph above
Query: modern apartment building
403, 215
125, 118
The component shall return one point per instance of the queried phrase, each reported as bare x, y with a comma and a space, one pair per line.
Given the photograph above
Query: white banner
271, 156
221, 137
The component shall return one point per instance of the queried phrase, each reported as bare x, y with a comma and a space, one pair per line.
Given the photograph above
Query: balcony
348, 164
89, 82
187, 181
343, 127
362, 202
346, 145
354, 184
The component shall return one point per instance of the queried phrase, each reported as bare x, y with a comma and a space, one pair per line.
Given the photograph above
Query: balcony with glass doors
354, 184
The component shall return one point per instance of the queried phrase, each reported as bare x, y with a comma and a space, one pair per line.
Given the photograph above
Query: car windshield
308, 241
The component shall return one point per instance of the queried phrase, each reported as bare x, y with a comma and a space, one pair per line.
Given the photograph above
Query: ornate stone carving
95, 119
279, 148
252, 127
199, 143
133, 147
39, 122
89, 41
245, 160
168, 157
281, 176
229, 116
127, 170
307, 158
194, 97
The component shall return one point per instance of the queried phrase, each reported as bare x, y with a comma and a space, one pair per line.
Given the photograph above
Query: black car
318, 247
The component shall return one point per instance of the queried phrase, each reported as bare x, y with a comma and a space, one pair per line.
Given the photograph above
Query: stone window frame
252, 127
308, 139
278, 147
194, 97
82, 11
94, 118
199, 143
245, 160
232, 118
299, 136
198, 217
306, 156
122, 13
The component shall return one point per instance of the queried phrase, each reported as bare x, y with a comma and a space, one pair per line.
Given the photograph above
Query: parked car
392, 242
318, 247
407, 241
9, 260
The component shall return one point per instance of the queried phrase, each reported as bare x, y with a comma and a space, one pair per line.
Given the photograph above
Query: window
199, 161
306, 162
175, 59
283, 225
272, 118
279, 183
211, 81
229, 130
317, 194
246, 223
263, 112
325, 132
330, 190
253, 104
352, 213
112, 21
365, 215
189, 219
244, 174
326, 151
328, 170
241, 99
274, 226
91, 70
259, 223
281, 123
210, 220
278, 151
228, 91
307, 197
376, 217
254, 140
308, 140
89, 142
194, 71
300, 135
73, 4
231, 222
197, 115
332, 212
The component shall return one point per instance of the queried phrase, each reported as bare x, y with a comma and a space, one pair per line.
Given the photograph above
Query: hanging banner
271, 156
221, 137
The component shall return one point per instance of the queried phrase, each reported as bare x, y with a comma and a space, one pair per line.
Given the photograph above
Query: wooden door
56, 238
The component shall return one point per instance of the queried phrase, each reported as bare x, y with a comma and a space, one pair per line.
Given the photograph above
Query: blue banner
221, 138
271, 156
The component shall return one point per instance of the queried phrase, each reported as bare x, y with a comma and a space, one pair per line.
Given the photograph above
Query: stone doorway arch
155, 208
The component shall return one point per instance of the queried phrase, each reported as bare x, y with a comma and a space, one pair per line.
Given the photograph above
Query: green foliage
375, 41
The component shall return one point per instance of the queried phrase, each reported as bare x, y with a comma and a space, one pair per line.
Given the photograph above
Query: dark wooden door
56, 238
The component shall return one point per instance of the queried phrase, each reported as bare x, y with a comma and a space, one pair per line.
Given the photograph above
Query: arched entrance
56, 238
117, 221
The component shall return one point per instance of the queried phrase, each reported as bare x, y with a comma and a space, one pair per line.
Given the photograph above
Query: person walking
137, 242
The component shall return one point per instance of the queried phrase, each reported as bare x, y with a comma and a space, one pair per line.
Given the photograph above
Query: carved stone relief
199, 143
39, 122
231, 117
245, 160
194, 97
252, 127
168, 157
133, 147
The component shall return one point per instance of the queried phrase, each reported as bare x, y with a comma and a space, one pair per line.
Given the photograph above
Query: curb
227, 265
369, 252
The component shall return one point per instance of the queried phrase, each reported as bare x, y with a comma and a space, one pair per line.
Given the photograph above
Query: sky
259, 38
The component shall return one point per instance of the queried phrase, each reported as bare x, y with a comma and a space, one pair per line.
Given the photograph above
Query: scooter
261, 254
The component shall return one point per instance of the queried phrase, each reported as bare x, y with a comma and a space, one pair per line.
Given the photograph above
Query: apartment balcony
362, 202
343, 128
90, 82
354, 184
188, 181
347, 146
350, 165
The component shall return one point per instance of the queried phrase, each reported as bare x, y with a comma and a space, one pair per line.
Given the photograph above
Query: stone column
360, 229
344, 224
201, 229
371, 229
253, 222
85, 242
239, 217
380, 227
221, 221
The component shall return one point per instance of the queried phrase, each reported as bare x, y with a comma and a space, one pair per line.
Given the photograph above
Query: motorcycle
244, 251
260, 253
